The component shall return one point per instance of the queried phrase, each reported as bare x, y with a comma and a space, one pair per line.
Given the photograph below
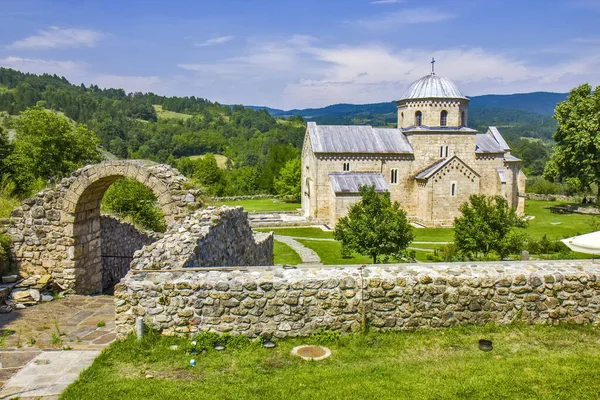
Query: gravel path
307, 255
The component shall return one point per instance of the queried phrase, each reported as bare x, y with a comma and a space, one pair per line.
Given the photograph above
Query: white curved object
588, 243
432, 86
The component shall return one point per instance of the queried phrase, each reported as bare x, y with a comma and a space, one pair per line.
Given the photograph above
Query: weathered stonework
279, 302
58, 231
211, 237
119, 241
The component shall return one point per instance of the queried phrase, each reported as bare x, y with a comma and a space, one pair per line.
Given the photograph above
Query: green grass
307, 232
166, 114
527, 362
569, 224
221, 159
330, 252
284, 254
262, 205
7, 204
433, 234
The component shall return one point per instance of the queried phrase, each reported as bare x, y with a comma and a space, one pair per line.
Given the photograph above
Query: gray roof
350, 182
498, 137
486, 143
511, 158
432, 86
432, 169
357, 139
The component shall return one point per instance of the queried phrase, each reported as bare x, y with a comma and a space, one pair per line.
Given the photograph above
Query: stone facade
280, 302
212, 237
58, 231
411, 161
119, 241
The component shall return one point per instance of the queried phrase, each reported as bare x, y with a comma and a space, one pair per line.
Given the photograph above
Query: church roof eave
433, 169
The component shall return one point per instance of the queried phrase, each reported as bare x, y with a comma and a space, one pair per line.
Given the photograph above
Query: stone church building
430, 164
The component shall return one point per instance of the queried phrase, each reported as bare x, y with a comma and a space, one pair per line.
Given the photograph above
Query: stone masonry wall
119, 241
279, 302
57, 231
209, 237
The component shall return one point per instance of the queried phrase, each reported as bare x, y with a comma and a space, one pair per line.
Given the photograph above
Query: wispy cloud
396, 19
56, 37
38, 66
388, 1
214, 41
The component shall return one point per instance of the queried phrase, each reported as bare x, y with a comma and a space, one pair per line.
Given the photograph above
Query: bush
131, 200
5, 254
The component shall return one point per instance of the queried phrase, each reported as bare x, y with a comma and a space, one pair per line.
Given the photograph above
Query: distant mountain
538, 102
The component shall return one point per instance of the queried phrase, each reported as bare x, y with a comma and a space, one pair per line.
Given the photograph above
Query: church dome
432, 86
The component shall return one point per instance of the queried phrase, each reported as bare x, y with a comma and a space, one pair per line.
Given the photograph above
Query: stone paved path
48, 374
80, 323
307, 255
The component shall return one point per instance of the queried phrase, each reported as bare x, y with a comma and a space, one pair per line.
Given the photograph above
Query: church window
418, 118
394, 175
453, 189
441, 151
462, 118
346, 166
446, 151
444, 118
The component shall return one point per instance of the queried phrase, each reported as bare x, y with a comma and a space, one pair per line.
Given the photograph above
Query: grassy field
527, 362
284, 254
166, 114
221, 160
555, 226
7, 204
307, 232
262, 205
330, 252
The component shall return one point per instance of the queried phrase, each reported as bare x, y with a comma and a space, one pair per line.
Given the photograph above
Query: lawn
305, 232
330, 252
262, 205
284, 254
221, 159
434, 234
527, 362
166, 114
556, 226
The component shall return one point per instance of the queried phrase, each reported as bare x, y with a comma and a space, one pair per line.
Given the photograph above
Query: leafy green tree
48, 145
374, 226
209, 175
576, 154
288, 181
486, 226
131, 200
5, 150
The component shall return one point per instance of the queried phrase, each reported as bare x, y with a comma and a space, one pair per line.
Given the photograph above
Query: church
431, 163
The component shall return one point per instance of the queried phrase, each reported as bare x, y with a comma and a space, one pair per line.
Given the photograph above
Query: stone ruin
58, 232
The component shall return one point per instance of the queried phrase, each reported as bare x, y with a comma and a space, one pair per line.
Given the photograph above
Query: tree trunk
598, 195
374, 258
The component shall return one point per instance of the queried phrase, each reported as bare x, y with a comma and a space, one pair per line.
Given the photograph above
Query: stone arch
57, 232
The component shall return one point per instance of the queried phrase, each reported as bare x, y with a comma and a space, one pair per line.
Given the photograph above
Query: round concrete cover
309, 352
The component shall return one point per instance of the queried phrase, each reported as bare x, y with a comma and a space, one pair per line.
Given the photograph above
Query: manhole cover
308, 352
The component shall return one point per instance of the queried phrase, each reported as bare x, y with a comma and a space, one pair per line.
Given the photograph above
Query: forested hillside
256, 144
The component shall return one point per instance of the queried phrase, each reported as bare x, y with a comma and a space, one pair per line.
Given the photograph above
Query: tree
486, 226
209, 174
576, 154
48, 145
288, 181
130, 199
374, 226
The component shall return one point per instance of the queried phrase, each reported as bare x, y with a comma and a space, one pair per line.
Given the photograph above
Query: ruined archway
57, 232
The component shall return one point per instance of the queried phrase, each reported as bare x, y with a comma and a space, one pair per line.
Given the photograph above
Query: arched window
462, 118
418, 118
444, 118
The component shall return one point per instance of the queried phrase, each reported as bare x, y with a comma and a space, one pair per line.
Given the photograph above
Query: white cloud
388, 1
396, 19
127, 82
215, 40
56, 37
37, 66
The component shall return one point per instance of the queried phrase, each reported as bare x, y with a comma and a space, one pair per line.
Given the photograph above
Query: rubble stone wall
212, 237
119, 240
57, 232
279, 302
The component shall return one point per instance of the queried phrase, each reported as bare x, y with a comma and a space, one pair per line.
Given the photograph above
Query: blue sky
305, 53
